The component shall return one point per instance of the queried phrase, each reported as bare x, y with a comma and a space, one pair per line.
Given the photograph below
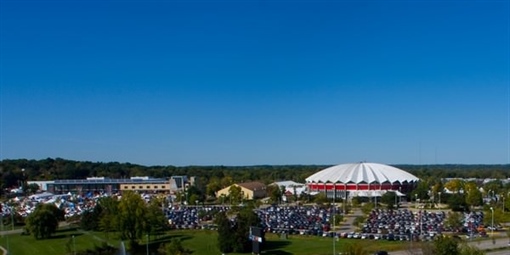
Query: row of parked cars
388, 237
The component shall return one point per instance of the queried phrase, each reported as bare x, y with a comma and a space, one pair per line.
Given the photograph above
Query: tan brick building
250, 190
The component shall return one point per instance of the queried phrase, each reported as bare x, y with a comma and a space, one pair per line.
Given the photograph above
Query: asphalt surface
347, 225
502, 252
482, 245
9, 232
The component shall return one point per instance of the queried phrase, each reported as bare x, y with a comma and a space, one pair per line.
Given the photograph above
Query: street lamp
503, 196
492, 228
23, 180
334, 232
147, 245
74, 246
396, 203
416, 200
439, 194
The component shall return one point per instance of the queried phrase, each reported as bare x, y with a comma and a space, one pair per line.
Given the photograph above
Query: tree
226, 181
457, 202
32, 188
493, 186
225, 234
422, 190
155, 217
473, 194
235, 194
43, 222
359, 220
389, 199
108, 221
90, 219
274, 192
213, 186
454, 220
175, 247
193, 195
498, 217
233, 235
244, 220
470, 250
437, 187
445, 245
320, 198
132, 221
455, 185
337, 219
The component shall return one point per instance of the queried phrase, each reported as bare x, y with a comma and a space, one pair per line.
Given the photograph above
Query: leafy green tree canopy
132, 220
43, 222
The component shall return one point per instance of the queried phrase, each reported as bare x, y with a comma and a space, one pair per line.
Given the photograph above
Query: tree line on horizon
14, 171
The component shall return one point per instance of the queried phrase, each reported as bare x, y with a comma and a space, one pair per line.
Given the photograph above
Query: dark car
381, 253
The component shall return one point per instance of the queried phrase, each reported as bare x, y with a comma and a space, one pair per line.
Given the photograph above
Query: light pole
439, 194
421, 225
345, 201
11, 212
334, 232
74, 246
396, 204
147, 245
503, 196
416, 200
6, 236
23, 180
492, 227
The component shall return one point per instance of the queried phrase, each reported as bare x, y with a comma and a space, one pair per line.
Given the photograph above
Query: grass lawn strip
199, 241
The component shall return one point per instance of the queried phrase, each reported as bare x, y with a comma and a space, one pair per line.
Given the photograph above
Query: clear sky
256, 82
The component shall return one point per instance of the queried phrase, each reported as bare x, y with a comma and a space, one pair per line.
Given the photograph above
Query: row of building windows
147, 187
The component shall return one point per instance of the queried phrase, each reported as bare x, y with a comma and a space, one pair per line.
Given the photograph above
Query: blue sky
256, 82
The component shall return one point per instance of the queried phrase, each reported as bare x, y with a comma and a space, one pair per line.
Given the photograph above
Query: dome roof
361, 173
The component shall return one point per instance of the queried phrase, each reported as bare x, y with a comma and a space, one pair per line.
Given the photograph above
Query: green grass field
61, 243
199, 241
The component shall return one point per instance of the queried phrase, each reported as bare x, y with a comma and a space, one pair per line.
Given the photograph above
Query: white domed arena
361, 179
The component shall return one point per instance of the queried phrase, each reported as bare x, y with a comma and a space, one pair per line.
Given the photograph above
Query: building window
140, 187
148, 187
155, 187
133, 187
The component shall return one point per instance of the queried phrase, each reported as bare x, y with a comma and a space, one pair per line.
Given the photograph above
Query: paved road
482, 245
10, 232
502, 252
347, 225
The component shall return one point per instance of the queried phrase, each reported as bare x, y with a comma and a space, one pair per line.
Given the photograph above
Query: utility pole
147, 245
